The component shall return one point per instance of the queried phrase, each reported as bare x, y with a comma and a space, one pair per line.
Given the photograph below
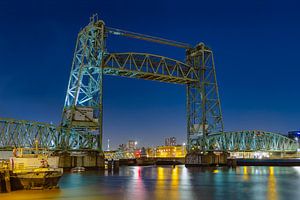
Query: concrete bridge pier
206, 159
89, 159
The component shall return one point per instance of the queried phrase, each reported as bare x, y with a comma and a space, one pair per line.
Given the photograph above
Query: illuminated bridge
251, 141
81, 126
25, 133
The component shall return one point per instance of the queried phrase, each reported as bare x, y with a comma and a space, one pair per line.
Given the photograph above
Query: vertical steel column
188, 117
100, 85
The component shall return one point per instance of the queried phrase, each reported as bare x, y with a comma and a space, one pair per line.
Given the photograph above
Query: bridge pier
89, 159
206, 159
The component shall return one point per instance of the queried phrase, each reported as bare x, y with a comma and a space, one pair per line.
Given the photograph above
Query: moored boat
34, 169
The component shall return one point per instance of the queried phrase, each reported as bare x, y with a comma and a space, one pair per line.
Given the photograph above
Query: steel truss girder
149, 67
22, 133
117, 155
251, 141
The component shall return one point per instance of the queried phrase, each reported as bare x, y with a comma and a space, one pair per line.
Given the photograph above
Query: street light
135, 144
183, 148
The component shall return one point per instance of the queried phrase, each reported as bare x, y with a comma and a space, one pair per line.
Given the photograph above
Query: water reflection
160, 183
136, 187
245, 170
174, 188
167, 182
272, 192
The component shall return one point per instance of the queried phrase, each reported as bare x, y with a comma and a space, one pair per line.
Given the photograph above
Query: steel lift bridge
82, 117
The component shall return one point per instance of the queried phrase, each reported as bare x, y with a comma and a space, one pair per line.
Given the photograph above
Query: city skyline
37, 50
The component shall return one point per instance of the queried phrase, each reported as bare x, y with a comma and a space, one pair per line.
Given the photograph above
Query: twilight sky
256, 49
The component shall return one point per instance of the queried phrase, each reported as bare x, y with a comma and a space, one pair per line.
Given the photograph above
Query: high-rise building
131, 145
167, 141
170, 141
173, 141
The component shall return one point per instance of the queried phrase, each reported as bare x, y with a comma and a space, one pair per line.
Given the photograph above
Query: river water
167, 182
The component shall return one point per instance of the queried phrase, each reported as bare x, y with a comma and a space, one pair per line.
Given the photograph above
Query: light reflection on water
167, 182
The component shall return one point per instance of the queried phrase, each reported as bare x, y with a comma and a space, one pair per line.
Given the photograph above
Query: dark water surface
166, 182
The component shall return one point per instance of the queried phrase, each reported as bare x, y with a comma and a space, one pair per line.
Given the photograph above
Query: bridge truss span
23, 133
251, 141
149, 67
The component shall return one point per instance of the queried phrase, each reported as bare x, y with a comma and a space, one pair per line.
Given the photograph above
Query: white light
183, 144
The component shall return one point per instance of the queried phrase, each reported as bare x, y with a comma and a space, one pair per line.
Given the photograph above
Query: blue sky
255, 44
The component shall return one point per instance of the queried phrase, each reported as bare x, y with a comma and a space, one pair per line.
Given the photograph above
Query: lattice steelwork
81, 125
83, 106
82, 115
149, 67
117, 155
251, 141
203, 102
21, 133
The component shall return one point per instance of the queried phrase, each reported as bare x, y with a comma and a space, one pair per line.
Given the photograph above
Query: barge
34, 169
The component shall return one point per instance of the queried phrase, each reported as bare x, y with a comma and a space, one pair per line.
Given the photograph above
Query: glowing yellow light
272, 171
245, 177
272, 192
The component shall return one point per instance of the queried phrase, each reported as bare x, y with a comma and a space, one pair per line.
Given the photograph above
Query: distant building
178, 151
167, 141
131, 145
295, 135
170, 141
122, 147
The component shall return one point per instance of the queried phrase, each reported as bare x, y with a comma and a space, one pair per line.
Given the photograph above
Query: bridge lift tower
82, 118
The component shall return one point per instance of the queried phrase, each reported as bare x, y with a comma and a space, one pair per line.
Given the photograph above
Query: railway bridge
81, 126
